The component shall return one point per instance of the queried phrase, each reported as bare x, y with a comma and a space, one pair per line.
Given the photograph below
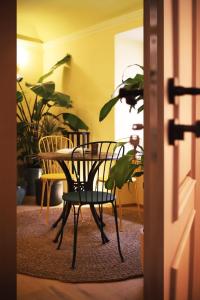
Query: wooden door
172, 193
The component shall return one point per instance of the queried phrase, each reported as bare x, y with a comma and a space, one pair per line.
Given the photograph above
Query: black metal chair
97, 158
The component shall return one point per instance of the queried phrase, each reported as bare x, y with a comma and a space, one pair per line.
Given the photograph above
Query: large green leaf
74, 122
136, 82
107, 108
129, 84
141, 108
119, 172
123, 171
61, 100
64, 60
44, 90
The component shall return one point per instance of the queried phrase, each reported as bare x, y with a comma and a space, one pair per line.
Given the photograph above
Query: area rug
37, 254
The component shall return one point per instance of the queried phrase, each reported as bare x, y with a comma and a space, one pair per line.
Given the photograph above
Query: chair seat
88, 197
53, 176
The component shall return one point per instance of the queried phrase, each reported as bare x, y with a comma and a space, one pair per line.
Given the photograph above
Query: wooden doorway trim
196, 79
154, 161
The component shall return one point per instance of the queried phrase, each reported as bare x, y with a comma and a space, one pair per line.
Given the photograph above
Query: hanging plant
130, 164
131, 89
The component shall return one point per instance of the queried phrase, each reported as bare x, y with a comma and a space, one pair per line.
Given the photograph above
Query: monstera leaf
74, 122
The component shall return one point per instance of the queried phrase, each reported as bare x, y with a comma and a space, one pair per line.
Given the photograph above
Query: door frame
154, 136
154, 157
196, 257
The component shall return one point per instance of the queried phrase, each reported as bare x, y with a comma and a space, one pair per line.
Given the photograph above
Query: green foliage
35, 119
135, 84
64, 60
126, 168
107, 108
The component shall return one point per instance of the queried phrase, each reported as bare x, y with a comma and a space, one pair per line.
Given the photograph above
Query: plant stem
21, 109
25, 99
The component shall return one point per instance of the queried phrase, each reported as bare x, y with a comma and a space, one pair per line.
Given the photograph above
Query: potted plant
32, 117
131, 164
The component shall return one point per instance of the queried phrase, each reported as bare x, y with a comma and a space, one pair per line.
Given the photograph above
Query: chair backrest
52, 143
78, 137
97, 159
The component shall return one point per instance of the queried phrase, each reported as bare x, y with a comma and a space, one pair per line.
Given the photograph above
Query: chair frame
52, 172
85, 192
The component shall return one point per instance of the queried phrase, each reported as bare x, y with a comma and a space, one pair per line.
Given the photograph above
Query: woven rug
37, 254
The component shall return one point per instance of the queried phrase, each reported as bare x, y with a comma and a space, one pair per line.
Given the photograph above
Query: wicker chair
51, 170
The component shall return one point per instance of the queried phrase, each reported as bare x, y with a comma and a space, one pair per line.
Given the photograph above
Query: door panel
179, 213
171, 212
181, 265
182, 37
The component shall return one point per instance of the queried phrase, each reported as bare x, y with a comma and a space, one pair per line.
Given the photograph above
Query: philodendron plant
131, 164
131, 89
33, 116
128, 166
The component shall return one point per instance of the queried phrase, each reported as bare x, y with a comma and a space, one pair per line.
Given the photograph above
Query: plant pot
20, 194
31, 174
55, 196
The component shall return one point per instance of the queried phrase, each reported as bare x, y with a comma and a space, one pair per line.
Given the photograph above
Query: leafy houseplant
131, 164
131, 89
36, 119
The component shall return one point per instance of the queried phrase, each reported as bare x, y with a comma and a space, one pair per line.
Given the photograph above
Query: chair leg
76, 217
42, 195
120, 212
117, 230
81, 215
49, 184
101, 223
66, 211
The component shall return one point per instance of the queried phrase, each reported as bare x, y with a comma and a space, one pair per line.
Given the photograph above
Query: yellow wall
29, 64
90, 80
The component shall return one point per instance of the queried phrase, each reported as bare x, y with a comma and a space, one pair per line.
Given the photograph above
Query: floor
33, 288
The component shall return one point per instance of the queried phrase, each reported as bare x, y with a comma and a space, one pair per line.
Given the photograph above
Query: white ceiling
49, 19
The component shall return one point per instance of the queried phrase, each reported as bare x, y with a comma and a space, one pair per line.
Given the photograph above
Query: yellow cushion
53, 176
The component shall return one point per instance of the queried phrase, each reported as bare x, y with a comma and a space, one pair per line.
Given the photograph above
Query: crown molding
109, 24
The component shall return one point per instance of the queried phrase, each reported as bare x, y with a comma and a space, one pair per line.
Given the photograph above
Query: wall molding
109, 24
